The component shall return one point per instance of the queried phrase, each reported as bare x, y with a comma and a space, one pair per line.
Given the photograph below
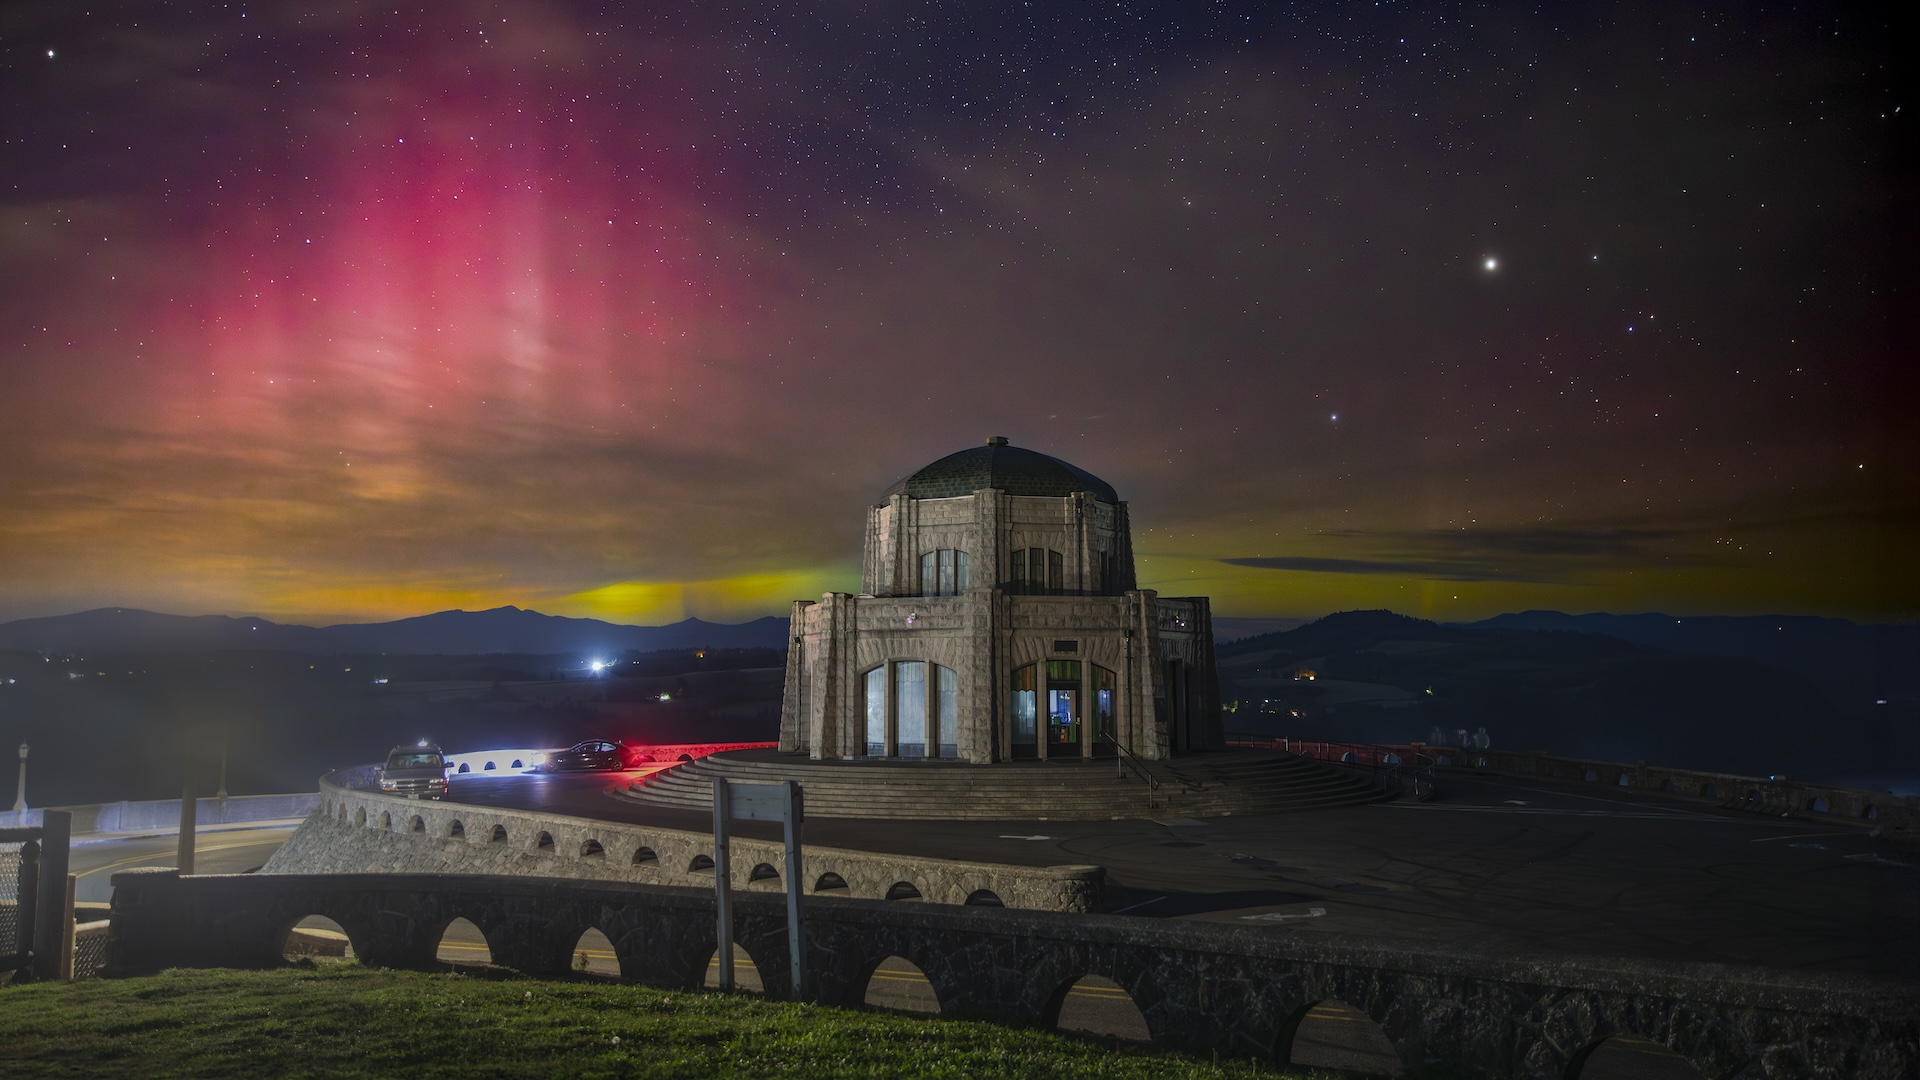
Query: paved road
94, 860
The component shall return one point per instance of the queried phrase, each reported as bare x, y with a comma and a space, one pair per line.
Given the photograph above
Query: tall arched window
943, 572
912, 710
877, 712
1068, 706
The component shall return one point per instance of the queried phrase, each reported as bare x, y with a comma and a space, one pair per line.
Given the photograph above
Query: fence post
722, 885
188, 806
28, 898
56, 833
67, 929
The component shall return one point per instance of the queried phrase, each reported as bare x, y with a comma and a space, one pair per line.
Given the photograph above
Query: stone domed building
999, 619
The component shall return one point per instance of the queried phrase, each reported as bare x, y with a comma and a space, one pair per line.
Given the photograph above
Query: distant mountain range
1855, 664
451, 633
1740, 693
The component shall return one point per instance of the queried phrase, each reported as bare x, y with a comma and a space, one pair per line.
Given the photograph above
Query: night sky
358, 311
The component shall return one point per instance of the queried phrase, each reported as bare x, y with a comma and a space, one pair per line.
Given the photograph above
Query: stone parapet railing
358, 831
144, 815
1892, 815
1203, 986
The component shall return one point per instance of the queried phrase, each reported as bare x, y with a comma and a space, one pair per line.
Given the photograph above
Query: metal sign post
780, 802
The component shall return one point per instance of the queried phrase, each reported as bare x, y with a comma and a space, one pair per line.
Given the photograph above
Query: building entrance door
1063, 707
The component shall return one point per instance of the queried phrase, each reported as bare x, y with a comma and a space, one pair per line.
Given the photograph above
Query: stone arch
498, 835
594, 954
1332, 1034
464, 767
517, 764
763, 872
1871, 813
360, 816
1669, 787
1709, 792
903, 890
386, 821
1096, 1006
898, 983
1631, 1055
1626, 779
544, 843
984, 898
1584, 1025
418, 824
461, 943
488, 767
1819, 805
686, 757
1590, 775
643, 855
311, 936
746, 973
591, 849
700, 863
457, 830
830, 882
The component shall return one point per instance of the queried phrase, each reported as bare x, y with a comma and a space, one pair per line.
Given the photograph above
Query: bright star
1492, 263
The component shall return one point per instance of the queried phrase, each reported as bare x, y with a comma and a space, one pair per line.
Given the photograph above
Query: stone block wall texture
1202, 986
360, 832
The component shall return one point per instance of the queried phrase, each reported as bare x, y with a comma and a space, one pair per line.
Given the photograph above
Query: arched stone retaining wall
1199, 985
345, 836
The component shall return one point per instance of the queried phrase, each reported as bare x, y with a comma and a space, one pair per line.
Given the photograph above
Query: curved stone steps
1213, 785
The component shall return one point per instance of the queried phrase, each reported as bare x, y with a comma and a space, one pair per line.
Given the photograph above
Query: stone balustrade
359, 831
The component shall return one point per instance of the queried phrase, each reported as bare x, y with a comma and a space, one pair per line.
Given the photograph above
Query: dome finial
996, 440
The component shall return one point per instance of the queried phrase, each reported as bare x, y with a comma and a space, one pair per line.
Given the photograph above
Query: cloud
1440, 571
1544, 555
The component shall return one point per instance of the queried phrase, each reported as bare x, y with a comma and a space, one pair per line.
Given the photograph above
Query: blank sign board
756, 802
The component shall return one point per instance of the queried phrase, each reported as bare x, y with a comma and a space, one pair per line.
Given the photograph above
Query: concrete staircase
1197, 785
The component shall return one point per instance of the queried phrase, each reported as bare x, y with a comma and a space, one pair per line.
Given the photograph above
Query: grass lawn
340, 1019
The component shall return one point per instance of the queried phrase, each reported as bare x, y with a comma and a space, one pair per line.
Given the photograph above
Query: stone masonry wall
1235, 989
362, 832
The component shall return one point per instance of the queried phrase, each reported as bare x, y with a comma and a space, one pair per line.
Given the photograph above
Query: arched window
1068, 693
943, 572
877, 712
912, 710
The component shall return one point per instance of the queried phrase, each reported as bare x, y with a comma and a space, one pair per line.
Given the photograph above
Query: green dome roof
1007, 468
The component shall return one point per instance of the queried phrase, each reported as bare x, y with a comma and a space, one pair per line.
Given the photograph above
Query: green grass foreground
341, 1019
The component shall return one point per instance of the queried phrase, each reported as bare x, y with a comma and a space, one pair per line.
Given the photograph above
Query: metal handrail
1370, 758
1125, 759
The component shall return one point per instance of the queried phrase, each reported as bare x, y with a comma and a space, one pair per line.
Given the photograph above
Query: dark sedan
587, 756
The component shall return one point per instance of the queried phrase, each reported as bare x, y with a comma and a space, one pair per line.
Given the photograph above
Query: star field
366, 310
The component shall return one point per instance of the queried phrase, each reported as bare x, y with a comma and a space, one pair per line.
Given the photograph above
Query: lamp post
20, 791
